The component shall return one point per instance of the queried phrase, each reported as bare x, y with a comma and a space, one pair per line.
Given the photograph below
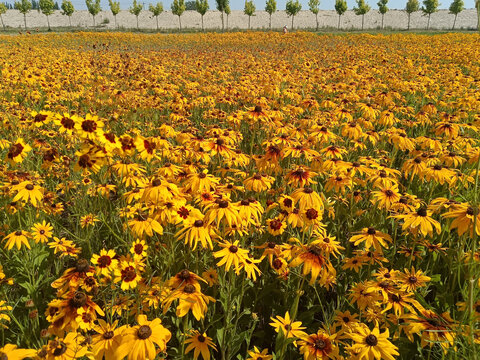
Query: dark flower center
275, 224
346, 319
315, 250
311, 214
371, 231
223, 204
29, 187
128, 274
389, 193
108, 335
79, 299
412, 279
198, 223
277, 264
422, 212
258, 109
189, 289
201, 338
15, 150
82, 265
138, 249
144, 332
18, 233
233, 249
371, 340
89, 126
308, 190
60, 349
202, 175
156, 182
67, 123
320, 344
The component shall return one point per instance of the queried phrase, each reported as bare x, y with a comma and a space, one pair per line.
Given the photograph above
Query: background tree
228, 11
46, 7
178, 8
412, 6
340, 7
477, 6
221, 6
382, 8
68, 9
314, 8
456, 7
190, 5
361, 9
24, 6
136, 9
115, 9
201, 6
292, 8
428, 8
3, 10
94, 8
249, 10
270, 8
156, 10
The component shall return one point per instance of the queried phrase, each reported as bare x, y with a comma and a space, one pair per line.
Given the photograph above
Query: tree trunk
202, 24
338, 27
137, 24
93, 20
363, 18
383, 15
316, 19
478, 15
227, 22
3, 24
249, 17
454, 21
180, 22
293, 16
48, 23
70, 20
25, 20
270, 23
223, 24
428, 22
115, 20
156, 17
408, 26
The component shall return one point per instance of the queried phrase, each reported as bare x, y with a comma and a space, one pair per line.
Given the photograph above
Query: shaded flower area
239, 196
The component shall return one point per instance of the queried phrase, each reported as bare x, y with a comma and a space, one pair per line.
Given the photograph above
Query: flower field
239, 196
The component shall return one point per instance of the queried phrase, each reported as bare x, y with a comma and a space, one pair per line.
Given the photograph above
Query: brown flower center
371, 340
15, 150
67, 123
233, 249
89, 126
189, 289
108, 335
144, 332
79, 299
60, 349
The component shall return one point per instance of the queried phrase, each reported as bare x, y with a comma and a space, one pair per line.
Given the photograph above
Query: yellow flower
370, 344
200, 344
18, 151
17, 238
231, 254
138, 342
41, 232
28, 192
11, 352
289, 328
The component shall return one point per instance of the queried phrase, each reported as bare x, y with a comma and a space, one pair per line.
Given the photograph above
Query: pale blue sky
260, 4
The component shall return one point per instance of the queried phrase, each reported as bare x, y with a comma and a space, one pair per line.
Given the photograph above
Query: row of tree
178, 7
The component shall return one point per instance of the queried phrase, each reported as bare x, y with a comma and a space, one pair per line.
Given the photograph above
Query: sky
260, 4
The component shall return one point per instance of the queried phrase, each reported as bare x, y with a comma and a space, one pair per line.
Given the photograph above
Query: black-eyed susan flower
105, 263
231, 254
372, 344
18, 151
372, 238
28, 192
256, 354
107, 339
17, 238
200, 344
12, 352
42, 232
319, 346
141, 342
289, 327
